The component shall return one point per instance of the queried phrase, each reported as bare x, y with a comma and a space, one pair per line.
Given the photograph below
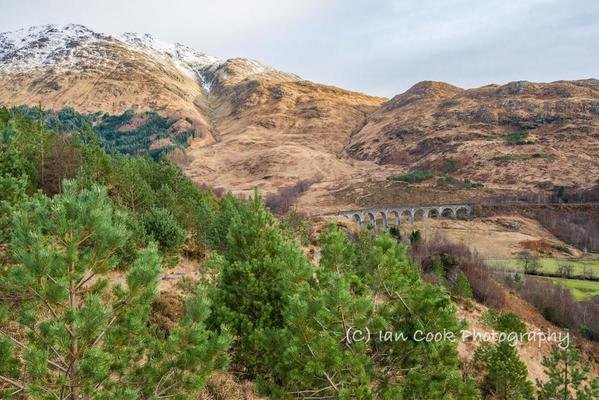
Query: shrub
160, 225
517, 138
413, 177
506, 321
510, 157
506, 375
285, 197
448, 180
489, 317
523, 157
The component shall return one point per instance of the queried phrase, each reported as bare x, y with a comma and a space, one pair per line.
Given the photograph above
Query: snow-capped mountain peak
182, 54
72, 46
41, 46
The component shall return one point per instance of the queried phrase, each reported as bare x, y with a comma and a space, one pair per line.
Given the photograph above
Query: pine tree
506, 375
395, 232
160, 224
379, 291
415, 238
13, 172
259, 271
461, 287
406, 304
14, 180
318, 359
439, 269
130, 185
76, 333
568, 379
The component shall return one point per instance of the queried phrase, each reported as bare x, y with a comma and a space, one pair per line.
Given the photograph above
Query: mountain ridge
54, 41
256, 126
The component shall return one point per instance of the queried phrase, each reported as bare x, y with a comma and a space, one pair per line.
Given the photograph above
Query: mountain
72, 66
256, 126
520, 135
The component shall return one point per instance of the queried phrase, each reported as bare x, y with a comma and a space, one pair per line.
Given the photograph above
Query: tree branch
21, 345
12, 382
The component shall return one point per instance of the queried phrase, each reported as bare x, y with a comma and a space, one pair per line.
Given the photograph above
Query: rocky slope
521, 135
273, 134
72, 66
256, 126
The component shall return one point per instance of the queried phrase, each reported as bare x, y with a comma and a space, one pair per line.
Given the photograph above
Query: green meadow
549, 265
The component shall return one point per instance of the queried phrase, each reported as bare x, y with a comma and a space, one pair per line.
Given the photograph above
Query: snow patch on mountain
64, 47
45, 46
186, 59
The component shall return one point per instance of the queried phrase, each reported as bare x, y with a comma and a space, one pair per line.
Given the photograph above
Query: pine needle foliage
74, 331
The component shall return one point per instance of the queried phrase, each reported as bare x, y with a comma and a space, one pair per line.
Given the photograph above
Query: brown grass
225, 386
167, 311
536, 245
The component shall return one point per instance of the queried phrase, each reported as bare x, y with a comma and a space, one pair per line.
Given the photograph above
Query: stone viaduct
396, 215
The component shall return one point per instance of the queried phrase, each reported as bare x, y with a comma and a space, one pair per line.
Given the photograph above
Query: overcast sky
379, 47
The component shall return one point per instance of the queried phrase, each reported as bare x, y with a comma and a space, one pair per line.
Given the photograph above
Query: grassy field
548, 265
580, 289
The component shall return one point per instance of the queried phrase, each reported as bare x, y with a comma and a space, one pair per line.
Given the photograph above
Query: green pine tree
379, 290
317, 359
259, 272
461, 287
568, 379
160, 225
79, 335
415, 238
405, 303
506, 375
14, 179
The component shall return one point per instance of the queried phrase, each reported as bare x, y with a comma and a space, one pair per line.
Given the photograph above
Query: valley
258, 127
162, 204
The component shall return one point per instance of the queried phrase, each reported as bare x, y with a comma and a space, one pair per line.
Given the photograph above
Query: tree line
72, 217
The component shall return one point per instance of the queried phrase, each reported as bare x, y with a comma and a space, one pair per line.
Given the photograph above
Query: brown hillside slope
257, 126
125, 79
464, 132
274, 132
261, 127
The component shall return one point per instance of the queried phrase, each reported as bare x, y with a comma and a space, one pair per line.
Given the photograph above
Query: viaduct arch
397, 215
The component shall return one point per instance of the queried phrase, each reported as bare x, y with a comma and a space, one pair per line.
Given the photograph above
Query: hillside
130, 230
521, 135
256, 126
271, 127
